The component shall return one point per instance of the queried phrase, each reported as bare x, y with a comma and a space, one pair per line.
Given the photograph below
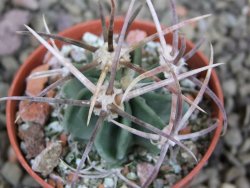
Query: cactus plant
115, 101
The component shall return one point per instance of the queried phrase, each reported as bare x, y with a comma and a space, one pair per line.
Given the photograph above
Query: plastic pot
76, 32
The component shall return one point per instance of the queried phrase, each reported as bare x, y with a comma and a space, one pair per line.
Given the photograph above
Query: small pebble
35, 86
29, 4
4, 89
233, 120
33, 138
230, 87
227, 185
233, 137
109, 183
245, 158
36, 112
143, 171
234, 173
10, 65
131, 176
158, 183
72, 8
242, 182
24, 55
48, 159
29, 181
9, 24
12, 173
171, 178
45, 4
246, 146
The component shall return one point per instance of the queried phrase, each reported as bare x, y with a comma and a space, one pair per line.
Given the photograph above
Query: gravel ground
228, 31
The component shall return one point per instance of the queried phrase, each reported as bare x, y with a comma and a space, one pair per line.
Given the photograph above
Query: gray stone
45, 4
213, 180
228, 20
227, 185
28, 4
4, 89
236, 63
221, 5
247, 61
245, 158
158, 183
72, 8
213, 34
245, 90
234, 173
239, 33
245, 74
64, 21
230, 87
10, 65
48, 159
171, 178
12, 173
10, 41
25, 53
246, 146
3, 183
88, 15
28, 181
233, 138
233, 120
159, 5
243, 45
242, 182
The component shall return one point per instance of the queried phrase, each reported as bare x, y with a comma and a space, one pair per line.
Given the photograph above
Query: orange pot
76, 32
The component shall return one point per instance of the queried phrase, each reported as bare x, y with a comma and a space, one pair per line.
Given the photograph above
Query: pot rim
36, 58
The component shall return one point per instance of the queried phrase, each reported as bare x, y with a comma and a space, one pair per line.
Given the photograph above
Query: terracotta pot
76, 32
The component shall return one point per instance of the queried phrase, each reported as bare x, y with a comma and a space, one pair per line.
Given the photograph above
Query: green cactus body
113, 143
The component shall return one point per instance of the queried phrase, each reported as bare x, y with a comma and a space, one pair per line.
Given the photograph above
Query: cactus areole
113, 143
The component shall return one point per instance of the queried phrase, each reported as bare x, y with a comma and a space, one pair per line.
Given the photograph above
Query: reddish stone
165, 168
12, 155
185, 130
51, 93
64, 139
125, 170
181, 11
52, 182
33, 138
59, 184
36, 112
101, 186
70, 177
143, 171
35, 86
135, 36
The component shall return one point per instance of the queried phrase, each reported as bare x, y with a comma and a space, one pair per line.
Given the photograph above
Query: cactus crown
117, 100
